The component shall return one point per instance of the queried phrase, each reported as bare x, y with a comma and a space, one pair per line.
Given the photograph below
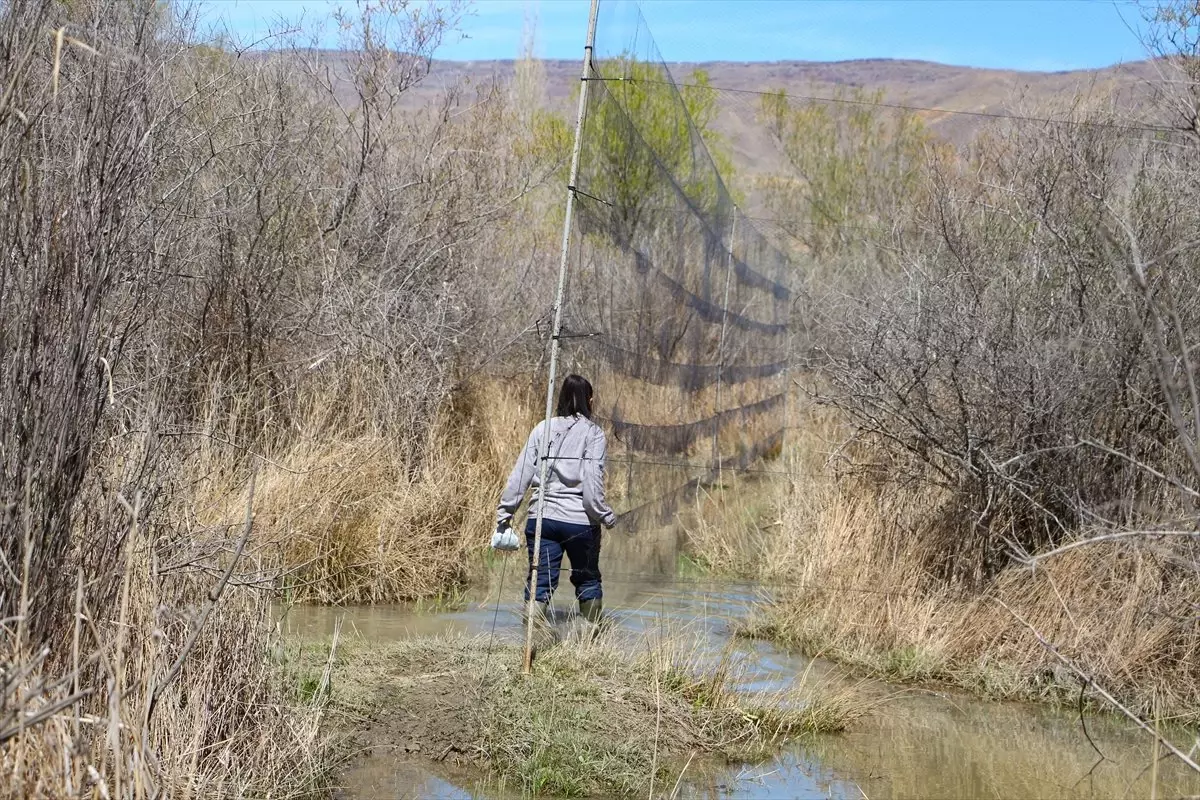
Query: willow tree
648, 144
855, 168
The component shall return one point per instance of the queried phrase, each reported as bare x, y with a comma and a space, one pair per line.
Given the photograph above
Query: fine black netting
681, 438
677, 306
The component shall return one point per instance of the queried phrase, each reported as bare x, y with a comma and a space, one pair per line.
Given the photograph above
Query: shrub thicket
220, 264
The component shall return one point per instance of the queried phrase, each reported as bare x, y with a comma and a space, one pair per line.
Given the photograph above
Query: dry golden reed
855, 573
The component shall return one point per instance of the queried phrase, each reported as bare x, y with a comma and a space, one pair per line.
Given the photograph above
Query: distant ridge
940, 88
917, 83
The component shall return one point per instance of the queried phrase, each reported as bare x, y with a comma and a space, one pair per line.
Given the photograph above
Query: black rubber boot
591, 610
541, 613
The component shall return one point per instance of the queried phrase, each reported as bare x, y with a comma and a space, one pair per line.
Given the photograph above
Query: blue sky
1014, 34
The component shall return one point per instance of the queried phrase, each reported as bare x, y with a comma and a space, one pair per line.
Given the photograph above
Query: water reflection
918, 744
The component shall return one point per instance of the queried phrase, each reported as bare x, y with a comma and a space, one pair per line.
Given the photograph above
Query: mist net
676, 306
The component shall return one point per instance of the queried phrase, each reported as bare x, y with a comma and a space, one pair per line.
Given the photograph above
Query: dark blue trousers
581, 543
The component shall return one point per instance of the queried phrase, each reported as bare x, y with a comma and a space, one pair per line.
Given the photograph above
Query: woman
574, 508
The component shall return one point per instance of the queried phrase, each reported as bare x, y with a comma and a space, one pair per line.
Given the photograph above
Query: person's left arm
518, 481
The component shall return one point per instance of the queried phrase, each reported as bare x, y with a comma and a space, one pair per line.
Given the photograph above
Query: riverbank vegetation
270, 332
235, 295
1004, 376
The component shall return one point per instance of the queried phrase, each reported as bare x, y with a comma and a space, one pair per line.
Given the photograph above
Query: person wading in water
575, 507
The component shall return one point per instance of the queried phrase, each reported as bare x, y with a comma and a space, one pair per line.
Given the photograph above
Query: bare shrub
848, 589
75, 153
1007, 350
1020, 387
216, 267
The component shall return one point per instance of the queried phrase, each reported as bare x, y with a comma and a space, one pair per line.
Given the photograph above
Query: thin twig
42, 714
1032, 560
1143, 466
1100, 690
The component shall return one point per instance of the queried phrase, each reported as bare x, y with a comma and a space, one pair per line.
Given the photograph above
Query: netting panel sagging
677, 306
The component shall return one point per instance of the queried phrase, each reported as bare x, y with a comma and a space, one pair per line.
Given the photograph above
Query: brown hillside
915, 83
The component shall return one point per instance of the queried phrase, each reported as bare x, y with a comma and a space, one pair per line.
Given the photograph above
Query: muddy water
914, 744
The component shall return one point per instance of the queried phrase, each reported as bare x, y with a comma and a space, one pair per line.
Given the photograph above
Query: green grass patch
912, 663
449, 599
691, 566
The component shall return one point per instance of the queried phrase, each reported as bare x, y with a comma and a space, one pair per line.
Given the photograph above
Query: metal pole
788, 410
554, 335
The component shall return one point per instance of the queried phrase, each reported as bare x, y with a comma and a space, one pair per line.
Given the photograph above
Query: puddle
918, 744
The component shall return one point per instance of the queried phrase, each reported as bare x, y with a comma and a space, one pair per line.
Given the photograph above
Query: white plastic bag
504, 539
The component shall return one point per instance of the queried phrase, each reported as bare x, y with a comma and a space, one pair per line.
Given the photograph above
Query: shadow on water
916, 744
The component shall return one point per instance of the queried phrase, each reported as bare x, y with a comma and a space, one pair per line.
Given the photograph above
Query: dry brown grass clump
851, 576
349, 517
175, 689
729, 531
735, 525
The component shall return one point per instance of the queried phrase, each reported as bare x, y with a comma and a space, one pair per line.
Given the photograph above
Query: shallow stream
916, 743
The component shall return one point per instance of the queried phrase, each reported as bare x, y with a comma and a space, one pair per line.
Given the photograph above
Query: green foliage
667, 118
310, 689
551, 139
642, 137
210, 58
450, 599
856, 168
913, 663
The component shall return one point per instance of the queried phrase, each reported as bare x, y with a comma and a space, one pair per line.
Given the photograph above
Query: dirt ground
420, 707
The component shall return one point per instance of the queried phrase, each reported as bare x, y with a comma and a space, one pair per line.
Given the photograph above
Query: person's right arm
518, 481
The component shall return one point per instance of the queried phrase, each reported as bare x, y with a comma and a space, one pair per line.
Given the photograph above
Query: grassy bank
854, 572
203, 716
852, 588
591, 719
230, 367
346, 513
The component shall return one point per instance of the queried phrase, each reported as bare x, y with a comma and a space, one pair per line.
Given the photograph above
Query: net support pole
530, 616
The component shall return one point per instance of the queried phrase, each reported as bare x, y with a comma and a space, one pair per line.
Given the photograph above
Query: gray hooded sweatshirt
574, 475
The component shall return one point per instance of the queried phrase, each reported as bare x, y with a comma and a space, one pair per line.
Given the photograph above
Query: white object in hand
504, 539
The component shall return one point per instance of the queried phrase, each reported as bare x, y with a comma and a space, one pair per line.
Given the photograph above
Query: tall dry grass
345, 516
853, 568
1013, 503
682, 435
212, 282
175, 687
736, 522
728, 530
